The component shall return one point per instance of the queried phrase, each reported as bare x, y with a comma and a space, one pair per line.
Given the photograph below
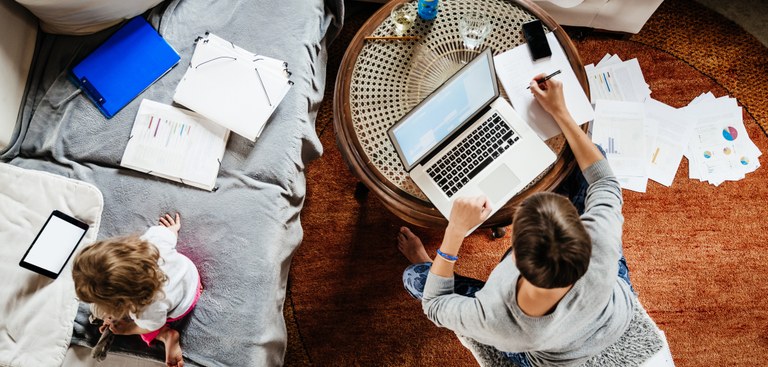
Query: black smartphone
54, 245
537, 41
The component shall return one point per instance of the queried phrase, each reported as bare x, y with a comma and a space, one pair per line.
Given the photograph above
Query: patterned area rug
697, 253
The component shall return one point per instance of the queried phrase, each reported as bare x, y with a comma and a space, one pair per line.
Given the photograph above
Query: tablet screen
55, 243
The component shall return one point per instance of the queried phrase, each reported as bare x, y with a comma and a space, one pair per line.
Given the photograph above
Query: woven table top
391, 77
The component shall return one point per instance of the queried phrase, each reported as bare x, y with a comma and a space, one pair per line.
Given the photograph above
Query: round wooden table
379, 81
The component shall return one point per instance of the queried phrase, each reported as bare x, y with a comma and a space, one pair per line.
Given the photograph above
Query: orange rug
697, 253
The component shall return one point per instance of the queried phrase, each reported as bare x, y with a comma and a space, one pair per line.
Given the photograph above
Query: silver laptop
465, 140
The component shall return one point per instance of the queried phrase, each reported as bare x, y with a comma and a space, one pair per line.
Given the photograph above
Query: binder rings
123, 66
233, 87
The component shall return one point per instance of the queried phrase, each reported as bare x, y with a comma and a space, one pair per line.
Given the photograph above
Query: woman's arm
466, 213
550, 96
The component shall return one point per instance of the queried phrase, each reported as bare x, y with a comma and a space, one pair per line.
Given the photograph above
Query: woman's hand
174, 224
549, 94
467, 213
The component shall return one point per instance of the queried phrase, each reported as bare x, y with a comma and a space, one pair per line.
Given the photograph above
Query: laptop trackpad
499, 183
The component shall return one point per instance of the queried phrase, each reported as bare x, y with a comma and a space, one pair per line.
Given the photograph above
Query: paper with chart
719, 148
516, 69
175, 144
233, 87
617, 80
672, 129
619, 129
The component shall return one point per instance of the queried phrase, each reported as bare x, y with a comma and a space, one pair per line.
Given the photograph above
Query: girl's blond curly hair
119, 274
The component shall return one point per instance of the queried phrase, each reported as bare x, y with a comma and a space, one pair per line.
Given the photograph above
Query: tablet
54, 245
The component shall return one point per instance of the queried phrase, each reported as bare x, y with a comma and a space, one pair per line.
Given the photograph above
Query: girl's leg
170, 338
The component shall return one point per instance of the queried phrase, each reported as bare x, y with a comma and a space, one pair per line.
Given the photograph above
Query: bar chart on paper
611, 146
175, 144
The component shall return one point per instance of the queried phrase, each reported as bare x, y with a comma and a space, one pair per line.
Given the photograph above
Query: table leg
361, 191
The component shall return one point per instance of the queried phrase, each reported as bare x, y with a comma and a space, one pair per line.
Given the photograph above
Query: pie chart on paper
730, 133
744, 161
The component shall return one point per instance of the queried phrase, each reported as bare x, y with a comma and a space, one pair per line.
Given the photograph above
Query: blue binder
124, 65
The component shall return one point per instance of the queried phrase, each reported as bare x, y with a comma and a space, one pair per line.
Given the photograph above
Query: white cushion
16, 50
78, 17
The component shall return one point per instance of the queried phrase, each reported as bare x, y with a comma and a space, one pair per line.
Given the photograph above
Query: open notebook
175, 144
233, 87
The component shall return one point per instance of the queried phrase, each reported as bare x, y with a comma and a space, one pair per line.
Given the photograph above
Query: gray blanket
241, 236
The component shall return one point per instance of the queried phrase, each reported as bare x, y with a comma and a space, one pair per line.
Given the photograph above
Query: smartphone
54, 245
537, 41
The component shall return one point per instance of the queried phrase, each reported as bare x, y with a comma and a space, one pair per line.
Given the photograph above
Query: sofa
626, 16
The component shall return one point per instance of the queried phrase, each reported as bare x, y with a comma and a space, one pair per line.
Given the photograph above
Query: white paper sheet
617, 80
619, 129
671, 139
516, 69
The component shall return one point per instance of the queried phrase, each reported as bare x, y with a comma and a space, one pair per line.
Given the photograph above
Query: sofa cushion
77, 17
16, 51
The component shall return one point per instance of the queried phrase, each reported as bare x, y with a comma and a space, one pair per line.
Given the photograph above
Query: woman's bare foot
170, 338
411, 246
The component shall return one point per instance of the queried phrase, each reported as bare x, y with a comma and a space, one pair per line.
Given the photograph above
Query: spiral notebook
175, 144
122, 67
235, 88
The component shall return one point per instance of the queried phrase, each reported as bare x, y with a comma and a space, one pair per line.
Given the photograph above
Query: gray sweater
591, 316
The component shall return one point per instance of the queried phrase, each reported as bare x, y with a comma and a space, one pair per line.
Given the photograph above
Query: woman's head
119, 274
551, 246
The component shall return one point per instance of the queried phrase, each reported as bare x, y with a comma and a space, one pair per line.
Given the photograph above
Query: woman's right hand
549, 94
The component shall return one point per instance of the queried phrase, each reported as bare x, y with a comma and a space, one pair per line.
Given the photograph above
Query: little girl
138, 285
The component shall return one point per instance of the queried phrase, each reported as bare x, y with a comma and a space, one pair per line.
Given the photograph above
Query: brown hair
551, 246
119, 274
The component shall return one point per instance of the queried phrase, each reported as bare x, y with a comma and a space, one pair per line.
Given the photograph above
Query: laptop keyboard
476, 151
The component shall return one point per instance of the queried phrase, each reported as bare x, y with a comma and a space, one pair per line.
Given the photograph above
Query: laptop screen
444, 111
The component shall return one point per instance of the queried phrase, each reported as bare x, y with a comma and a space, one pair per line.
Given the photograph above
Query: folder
123, 66
233, 87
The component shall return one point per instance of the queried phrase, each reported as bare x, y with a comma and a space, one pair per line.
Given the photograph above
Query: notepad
233, 87
516, 69
123, 66
175, 144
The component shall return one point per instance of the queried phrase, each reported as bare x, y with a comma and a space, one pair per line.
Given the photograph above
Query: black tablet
54, 245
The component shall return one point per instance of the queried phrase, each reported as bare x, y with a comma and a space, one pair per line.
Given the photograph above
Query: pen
392, 38
544, 79
263, 87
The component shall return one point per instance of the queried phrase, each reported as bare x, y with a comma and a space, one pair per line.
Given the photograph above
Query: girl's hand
173, 224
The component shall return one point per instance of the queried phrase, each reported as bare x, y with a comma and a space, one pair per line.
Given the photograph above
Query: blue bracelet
446, 256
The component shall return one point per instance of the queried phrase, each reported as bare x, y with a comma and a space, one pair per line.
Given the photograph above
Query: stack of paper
175, 144
233, 87
617, 80
641, 140
719, 149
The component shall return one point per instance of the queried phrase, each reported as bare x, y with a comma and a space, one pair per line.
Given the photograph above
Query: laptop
465, 140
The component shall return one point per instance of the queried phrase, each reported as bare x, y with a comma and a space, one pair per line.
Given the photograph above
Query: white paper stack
719, 148
617, 80
235, 88
642, 141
